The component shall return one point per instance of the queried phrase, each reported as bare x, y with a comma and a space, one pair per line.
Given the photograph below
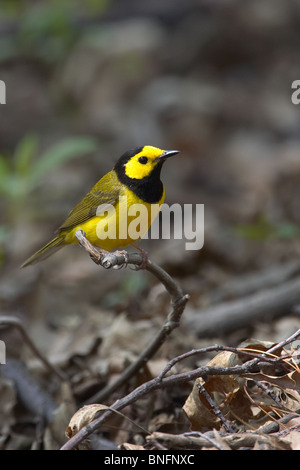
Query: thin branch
215, 408
178, 302
274, 426
217, 348
204, 436
270, 393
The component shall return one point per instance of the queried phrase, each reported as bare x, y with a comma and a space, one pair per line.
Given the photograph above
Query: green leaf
261, 230
264, 230
25, 153
8, 48
4, 167
287, 231
5, 174
4, 234
61, 153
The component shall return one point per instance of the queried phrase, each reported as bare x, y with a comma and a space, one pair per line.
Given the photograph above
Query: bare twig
217, 348
205, 436
215, 408
162, 382
274, 426
178, 300
270, 393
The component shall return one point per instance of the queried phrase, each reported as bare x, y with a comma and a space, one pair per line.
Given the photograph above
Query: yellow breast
120, 224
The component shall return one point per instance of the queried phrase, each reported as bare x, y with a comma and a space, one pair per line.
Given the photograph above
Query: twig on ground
162, 382
268, 391
273, 427
234, 441
217, 348
205, 436
215, 408
178, 301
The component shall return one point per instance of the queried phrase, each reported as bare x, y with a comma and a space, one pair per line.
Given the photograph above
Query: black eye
143, 160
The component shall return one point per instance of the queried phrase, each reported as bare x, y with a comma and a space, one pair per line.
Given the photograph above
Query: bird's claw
123, 253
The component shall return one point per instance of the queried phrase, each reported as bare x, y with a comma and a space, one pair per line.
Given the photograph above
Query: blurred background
86, 81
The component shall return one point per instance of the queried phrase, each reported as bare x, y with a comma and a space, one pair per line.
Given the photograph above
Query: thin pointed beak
167, 153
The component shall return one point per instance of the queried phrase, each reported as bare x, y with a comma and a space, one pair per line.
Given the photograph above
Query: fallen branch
229, 316
242, 286
178, 301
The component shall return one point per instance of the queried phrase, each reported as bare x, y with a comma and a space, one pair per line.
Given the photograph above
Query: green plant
263, 229
45, 30
21, 173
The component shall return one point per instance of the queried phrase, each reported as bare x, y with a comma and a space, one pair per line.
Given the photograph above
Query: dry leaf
225, 391
128, 446
82, 417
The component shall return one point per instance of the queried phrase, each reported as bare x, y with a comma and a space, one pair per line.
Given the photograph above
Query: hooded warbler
135, 179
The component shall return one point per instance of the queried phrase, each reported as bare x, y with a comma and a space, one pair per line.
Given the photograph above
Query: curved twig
178, 301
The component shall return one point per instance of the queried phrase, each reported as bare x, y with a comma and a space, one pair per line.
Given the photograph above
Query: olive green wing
105, 192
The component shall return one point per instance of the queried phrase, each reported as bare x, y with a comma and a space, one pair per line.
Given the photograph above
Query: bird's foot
123, 253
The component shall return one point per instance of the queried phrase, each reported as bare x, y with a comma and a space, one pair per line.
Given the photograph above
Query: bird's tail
54, 245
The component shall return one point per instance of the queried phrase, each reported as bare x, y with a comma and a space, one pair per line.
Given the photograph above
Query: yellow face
143, 163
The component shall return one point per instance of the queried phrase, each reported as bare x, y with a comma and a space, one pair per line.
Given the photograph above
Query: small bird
135, 179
